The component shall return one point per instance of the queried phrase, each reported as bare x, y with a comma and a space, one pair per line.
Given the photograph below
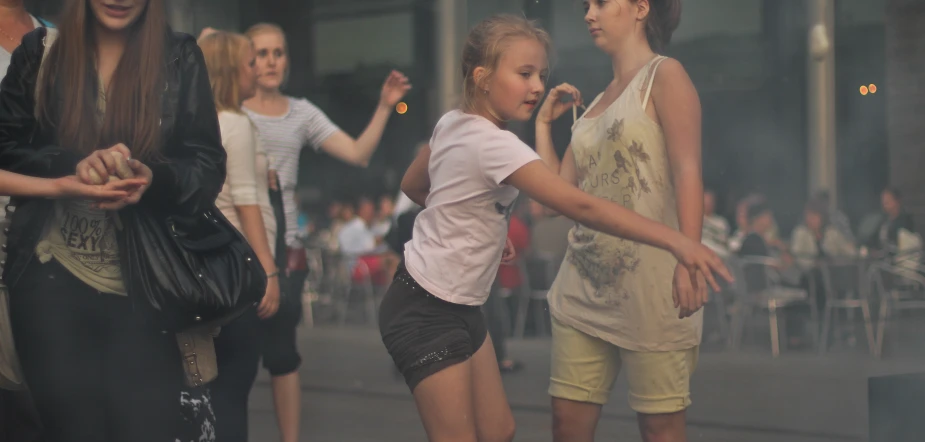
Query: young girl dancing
467, 180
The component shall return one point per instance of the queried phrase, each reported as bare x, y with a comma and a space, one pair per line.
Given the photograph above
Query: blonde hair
486, 44
269, 28
223, 51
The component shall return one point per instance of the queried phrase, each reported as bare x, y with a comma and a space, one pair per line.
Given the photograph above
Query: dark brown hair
664, 17
69, 84
820, 208
894, 192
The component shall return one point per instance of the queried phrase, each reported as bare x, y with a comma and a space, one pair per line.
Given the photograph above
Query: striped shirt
283, 138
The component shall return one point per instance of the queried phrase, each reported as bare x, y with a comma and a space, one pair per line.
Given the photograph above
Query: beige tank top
611, 288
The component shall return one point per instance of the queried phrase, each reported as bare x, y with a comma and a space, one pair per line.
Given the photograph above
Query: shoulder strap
45, 23
588, 108
658, 60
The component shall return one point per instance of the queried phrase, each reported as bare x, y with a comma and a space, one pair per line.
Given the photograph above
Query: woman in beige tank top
618, 304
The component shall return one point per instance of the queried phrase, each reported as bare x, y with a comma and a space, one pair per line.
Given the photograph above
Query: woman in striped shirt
286, 124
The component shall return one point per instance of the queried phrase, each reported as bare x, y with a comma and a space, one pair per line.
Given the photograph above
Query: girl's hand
553, 107
509, 254
697, 258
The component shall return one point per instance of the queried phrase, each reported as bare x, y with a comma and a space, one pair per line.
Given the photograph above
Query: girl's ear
478, 77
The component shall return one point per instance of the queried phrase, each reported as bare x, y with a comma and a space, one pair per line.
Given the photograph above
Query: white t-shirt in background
458, 239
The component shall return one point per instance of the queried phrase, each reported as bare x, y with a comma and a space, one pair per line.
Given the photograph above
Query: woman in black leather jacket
119, 94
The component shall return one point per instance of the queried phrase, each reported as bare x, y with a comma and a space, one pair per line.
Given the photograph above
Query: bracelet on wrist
273, 275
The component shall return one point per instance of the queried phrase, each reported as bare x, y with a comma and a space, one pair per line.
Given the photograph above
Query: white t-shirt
457, 242
247, 167
357, 239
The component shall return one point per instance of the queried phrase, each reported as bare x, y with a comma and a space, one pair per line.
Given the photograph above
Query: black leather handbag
188, 272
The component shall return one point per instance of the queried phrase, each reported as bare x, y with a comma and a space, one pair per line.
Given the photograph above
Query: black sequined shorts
425, 334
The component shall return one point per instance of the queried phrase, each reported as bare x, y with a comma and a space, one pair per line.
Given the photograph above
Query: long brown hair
223, 51
69, 85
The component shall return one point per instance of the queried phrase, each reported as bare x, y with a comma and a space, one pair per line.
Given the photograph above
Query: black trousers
96, 372
18, 419
238, 351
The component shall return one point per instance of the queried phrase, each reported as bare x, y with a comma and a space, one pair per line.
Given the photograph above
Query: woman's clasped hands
111, 177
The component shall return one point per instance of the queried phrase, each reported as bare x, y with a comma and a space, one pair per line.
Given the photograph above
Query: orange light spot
401, 108
872, 88
864, 90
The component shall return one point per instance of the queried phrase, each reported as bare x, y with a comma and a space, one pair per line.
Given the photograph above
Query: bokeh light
401, 108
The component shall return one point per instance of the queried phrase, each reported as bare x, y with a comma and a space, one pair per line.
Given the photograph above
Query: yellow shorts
584, 369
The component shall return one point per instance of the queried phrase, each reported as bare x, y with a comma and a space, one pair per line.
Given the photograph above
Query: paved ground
351, 395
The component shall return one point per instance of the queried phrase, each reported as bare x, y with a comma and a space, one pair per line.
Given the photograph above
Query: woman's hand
142, 175
72, 187
553, 107
273, 178
270, 303
395, 87
97, 167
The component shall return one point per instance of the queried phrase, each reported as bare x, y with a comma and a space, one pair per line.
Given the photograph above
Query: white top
608, 287
283, 137
403, 204
6, 56
357, 239
457, 242
715, 234
246, 182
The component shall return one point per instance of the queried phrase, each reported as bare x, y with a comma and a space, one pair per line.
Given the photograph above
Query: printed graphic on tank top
611, 288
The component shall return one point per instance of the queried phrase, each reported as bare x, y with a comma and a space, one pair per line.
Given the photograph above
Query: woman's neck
13, 10
110, 43
12, 7
265, 96
629, 57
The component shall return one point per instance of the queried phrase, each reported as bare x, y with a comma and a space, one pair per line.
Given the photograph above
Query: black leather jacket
186, 183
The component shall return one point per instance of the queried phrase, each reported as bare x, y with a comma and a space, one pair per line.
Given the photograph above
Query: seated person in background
894, 221
760, 222
741, 219
358, 242
715, 228
339, 214
818, 238
383, 222
836, 218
